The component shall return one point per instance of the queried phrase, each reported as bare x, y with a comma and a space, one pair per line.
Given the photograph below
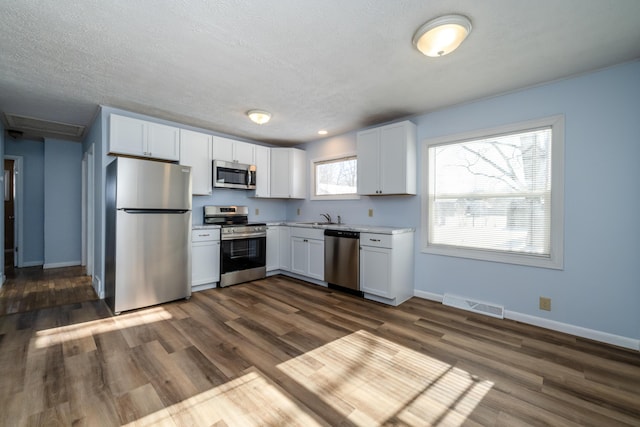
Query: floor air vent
475, 306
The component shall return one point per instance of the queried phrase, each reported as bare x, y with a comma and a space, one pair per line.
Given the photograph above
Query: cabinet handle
204, 235
375, 240
305, 240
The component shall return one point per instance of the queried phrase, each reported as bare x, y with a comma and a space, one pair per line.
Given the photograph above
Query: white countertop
204, 227
349, 227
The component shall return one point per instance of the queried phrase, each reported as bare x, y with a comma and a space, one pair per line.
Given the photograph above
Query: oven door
242, 260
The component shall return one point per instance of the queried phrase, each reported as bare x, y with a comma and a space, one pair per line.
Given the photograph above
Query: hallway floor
33, 288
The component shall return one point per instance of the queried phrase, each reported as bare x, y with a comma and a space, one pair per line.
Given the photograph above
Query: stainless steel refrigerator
148, 233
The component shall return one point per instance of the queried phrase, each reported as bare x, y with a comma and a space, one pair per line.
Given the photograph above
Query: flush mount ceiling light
259, 116
442, 35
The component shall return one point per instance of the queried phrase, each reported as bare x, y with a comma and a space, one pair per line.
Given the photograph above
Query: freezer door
145, 184
152, 258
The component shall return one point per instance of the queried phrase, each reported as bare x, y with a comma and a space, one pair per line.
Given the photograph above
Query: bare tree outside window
493, 193
336, 177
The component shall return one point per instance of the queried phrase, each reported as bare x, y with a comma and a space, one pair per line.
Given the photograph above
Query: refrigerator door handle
155, 211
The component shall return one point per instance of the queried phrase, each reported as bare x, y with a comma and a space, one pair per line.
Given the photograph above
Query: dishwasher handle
342, 233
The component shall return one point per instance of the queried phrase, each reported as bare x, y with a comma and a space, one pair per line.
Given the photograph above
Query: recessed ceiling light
259, 116
322, 132
442, 35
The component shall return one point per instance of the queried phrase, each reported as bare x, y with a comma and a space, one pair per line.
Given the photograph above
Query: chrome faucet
327, 217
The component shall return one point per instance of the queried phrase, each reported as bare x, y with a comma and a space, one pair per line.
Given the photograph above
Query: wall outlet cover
370, 212
298, 211
257, 211
545, 303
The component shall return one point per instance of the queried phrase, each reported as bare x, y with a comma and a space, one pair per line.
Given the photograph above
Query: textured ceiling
314, 64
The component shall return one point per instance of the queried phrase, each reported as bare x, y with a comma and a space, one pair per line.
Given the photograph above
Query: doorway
9, 216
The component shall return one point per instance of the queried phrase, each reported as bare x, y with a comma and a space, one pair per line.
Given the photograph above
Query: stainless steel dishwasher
342, 260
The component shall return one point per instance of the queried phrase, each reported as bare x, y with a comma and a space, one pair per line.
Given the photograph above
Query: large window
497, 195
334, 178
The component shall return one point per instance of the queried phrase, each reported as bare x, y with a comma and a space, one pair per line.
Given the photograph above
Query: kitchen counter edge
348, 227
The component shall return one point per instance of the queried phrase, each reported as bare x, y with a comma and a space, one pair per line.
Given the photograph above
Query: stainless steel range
243, 244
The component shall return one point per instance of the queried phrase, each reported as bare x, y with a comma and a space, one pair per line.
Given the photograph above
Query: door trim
18, 209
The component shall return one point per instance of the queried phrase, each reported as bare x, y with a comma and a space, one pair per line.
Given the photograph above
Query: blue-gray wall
62, 203
599, 288
32, 153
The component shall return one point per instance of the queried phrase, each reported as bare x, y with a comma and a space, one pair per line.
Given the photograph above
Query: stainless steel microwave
234, 175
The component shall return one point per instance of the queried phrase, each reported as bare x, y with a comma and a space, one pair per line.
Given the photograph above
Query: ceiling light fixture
259, 116
322, 132
442, 35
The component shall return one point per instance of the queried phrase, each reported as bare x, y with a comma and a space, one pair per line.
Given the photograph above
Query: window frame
555, 259
312, 180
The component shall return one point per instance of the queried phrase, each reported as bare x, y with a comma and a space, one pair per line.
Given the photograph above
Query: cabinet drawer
205, 235
376, 240
307, 233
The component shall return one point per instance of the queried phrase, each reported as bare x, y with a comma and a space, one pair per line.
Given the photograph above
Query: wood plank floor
282, 352
33, 288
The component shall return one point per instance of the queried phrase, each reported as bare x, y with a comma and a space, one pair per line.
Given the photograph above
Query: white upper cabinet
195, 151
288, 173
263, 171
231, 150
387, 159
243, 152
141, 138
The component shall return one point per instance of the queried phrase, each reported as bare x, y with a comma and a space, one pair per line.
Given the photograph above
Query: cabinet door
393, 159
205, 262
263, 168
285, 248
195, 151
222, 149
316, 259
273, 248
127, 136
280, 173
298, 173
163, 142
243, 152
375, 271
299, 255
368, 148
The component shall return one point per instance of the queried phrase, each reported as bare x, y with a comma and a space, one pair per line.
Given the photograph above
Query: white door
375, 271
195, 151
369, 162
273, 248
316, 259
393, 155
244, 153
299, 255
163, 142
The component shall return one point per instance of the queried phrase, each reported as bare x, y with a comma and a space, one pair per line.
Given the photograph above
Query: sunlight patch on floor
250, 400
372, 381
78, 331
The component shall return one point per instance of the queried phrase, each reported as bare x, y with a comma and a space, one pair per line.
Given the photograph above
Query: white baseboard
32, 264
97, 284
428, 295
579, 331
62, 264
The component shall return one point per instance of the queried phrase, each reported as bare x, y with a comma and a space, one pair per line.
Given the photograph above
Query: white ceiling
337, 65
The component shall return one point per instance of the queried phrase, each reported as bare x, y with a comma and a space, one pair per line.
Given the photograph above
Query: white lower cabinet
273, 248
307, 252
285, 248
205, 259
386, 267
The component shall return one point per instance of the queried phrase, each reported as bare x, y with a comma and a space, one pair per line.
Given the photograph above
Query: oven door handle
243, 236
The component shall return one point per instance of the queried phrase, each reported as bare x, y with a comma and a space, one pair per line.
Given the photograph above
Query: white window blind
494, 194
